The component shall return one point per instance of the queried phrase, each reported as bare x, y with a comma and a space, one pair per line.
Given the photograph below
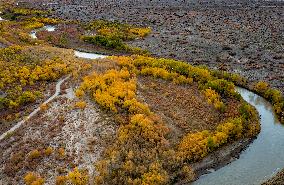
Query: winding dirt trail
58, 90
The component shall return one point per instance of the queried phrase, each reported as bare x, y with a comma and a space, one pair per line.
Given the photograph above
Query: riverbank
259, 162
278, 179
221, 157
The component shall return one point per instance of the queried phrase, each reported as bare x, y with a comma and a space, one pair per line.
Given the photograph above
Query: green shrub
223, 87
107, 42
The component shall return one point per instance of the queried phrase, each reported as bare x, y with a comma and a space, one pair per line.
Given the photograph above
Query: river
262, 159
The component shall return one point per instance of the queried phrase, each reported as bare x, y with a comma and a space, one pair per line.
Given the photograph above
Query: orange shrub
32, 178
215, 99
135, 107
34, 154
43, 107
48, 151
61, 152
61, 180
193, 146
79, 93
78, 177
81, 105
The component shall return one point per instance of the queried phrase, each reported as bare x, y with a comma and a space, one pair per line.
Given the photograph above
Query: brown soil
183, 107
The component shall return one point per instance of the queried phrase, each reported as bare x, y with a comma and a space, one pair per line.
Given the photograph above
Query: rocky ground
244, 37
276, 180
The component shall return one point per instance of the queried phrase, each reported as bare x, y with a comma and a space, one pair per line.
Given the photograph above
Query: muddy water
262, 159
88, 55
47, 28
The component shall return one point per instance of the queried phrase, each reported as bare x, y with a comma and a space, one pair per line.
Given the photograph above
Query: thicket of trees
20, 76
143, 153
112, 35
25, 73
122, 31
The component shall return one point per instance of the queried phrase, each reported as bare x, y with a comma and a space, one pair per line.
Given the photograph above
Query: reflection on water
262, 159
88, 55
47, 28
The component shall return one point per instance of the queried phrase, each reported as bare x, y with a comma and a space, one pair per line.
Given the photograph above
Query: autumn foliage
142, 153
272, 95
32, 178
112, 35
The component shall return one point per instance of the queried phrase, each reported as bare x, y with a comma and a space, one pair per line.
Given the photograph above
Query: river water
88, 55
262, 159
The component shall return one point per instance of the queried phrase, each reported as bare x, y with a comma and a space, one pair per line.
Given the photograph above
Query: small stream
47, 28
88, 55
262, 159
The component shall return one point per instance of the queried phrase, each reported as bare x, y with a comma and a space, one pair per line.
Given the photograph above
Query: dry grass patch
183, 107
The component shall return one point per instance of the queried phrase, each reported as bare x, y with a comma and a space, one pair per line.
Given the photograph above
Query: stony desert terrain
244, 37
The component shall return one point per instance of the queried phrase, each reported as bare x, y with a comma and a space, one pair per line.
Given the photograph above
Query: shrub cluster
33, 179
131, 158
111, 89
114, 43
166, 75
105, 41
80, 105
111, 35
195, 146
124, 32
196, 73
18, 13
215, 99
223, 87
262, 88
21, 75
